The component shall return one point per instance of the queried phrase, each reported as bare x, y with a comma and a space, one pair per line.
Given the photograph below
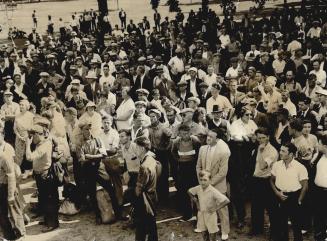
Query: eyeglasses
248, 114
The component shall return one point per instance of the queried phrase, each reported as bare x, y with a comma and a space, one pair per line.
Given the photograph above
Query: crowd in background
240, 105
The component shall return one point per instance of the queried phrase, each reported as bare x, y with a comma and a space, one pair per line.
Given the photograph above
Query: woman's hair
197, 113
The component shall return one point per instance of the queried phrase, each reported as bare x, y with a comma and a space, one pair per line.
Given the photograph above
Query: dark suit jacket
90, 94
203, 99
311, 117
163, 90
197, 85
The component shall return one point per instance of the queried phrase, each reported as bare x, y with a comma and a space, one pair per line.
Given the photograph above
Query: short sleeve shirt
209, 199
288, 178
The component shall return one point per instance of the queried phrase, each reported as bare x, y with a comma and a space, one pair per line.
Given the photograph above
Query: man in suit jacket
142, 80
305, 113
165, 85
213, 158
204, 95
92, 89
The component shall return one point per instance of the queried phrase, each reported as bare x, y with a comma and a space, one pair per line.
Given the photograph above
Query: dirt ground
82, 227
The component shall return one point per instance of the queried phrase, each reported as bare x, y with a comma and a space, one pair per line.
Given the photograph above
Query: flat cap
144, 91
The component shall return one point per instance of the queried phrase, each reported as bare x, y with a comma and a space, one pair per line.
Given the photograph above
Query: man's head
184, 132
106, 122
295, 126
124, 136
289, 75
304, 103
262, 135
287, 152
38, 133
204, 178
171, 115
154, 115
187, 115
316, 65
212, 137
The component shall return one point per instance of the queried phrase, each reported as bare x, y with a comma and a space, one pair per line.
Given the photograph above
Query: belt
39, 172
322, 188
289, 193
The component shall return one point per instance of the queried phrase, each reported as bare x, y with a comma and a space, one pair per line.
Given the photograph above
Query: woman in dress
241, 145
125, 111
23, 123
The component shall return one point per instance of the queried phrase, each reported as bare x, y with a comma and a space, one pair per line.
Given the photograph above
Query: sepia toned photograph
163, 120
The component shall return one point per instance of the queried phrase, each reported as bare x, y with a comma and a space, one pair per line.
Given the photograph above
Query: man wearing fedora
218, 121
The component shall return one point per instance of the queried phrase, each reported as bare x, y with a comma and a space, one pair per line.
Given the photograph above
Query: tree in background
155, 4
173, 5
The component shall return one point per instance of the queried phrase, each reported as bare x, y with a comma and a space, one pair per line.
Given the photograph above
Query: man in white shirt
211, 77
176, 65
252, 54
217, 99
232, 71
106, 77
289, 181
320, 73
110, 139
224, 38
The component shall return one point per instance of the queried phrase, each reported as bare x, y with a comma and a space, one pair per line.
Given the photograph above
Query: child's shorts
207, 222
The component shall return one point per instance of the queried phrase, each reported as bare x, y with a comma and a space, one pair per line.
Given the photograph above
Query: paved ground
21, 17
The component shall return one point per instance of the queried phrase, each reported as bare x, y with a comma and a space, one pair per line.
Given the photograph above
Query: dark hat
216, 109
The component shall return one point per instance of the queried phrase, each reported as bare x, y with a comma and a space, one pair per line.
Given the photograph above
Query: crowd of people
239, 107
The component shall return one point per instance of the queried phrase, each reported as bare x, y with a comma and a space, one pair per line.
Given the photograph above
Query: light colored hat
44, 74
195, 99
140, 102
75, 81
37, 129
193, 69
144, 91
7, 92
90, 104
156, 111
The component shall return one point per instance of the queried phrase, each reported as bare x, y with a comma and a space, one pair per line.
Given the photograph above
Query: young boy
208, 200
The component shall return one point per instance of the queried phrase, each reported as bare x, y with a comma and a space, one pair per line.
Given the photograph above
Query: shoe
49, 229
197, 230
27, 174
224, 237
41, 223
27, 219
98, 220
240, 225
